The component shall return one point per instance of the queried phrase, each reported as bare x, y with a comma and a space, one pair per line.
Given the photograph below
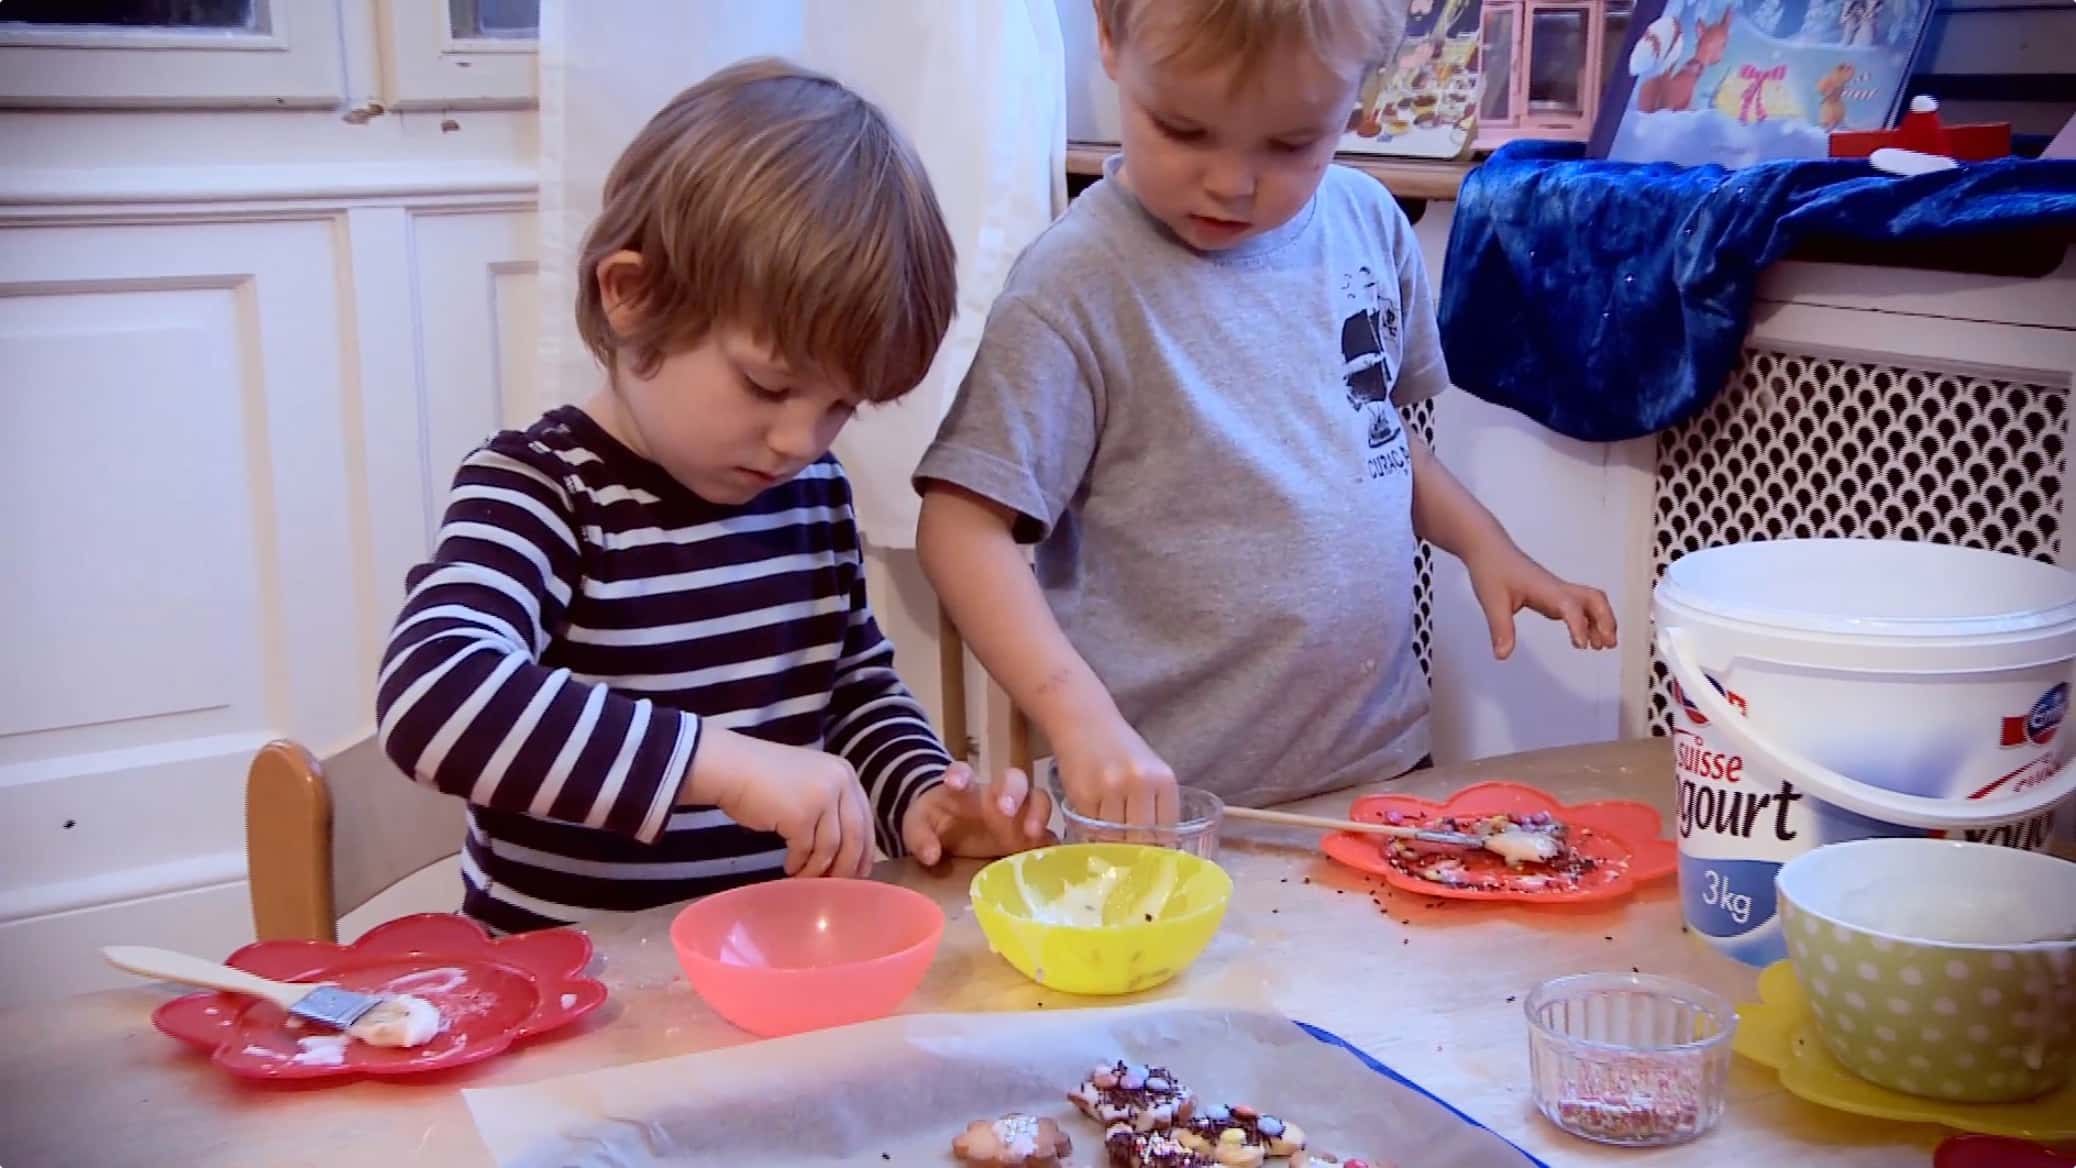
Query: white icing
1018, 1135
1521, 847
1079, 904
399, 1021
323, 1050
1083, 903
442, 980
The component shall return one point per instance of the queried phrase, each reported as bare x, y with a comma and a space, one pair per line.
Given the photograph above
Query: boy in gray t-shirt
1188, 397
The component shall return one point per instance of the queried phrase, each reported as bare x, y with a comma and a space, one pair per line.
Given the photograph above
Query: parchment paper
898, 1090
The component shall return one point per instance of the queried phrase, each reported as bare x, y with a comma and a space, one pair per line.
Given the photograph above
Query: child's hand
809, 798
962, 818
1507, 581
1109, 772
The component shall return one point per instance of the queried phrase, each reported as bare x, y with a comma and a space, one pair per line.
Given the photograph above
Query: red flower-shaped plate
490, 994
1625, 839
1977, 1151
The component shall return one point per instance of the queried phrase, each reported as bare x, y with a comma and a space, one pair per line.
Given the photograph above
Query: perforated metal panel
1802, 447
1420, 418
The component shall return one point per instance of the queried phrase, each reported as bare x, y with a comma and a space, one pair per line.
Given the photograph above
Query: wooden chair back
324, 837
1007, 728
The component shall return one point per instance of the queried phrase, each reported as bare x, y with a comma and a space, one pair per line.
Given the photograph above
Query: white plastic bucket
1829, 690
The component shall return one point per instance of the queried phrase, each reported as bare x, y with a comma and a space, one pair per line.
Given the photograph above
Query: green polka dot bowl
1938, 968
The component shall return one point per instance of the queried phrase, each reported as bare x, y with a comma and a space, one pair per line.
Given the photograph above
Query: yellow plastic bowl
1100, 918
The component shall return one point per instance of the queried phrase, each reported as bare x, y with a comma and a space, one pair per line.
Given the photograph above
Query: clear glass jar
1195, 830
1631, 1059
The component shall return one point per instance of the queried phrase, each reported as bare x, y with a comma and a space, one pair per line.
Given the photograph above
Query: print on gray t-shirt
1207, 450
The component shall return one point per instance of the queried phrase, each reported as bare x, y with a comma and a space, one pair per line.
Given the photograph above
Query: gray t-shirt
1207, 449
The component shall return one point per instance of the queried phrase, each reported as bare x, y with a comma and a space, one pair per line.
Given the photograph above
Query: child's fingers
1112, 807
1573, 613
853, 852
1602, 615
1167, 802
800, 846
1499, 617
1037, 814
828, 840
958, 776
868, 836
1558, 601
1142, 804
925, 836
1011, 792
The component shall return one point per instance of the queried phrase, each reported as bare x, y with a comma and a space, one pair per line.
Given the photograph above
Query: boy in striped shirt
642, 649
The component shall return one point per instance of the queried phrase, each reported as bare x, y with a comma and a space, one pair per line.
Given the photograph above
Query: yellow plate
1778, 1032
1100, 918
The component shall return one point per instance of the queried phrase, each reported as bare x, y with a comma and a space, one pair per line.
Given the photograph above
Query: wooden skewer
1509, 844
1399, 830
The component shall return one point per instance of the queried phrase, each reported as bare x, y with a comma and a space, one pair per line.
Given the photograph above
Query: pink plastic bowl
786, 956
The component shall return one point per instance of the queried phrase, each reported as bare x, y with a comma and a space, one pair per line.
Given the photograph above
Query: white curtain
978, 86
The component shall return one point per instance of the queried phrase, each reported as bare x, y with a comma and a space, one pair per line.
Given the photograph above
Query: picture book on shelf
1423, 104
1742, 81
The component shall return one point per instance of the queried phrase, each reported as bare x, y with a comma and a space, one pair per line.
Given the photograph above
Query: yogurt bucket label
1836, 689
2039, 725
1738, 822
1737, 825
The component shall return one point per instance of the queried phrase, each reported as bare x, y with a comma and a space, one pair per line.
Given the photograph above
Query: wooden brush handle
166, 965
1292, 819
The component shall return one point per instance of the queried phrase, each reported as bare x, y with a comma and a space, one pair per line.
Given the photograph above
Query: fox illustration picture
1734, 82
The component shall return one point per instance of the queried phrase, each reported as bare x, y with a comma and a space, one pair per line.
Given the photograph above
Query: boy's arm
984, 582
1504, 578
1016, 447
877, 726
463, 704
988, 588
1446, 514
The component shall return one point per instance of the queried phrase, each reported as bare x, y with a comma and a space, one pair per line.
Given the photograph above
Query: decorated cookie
1136, 1149
1240, 1137
1145, 1099
1013, 1141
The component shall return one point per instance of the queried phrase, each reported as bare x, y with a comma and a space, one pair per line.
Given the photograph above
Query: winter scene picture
1741, 81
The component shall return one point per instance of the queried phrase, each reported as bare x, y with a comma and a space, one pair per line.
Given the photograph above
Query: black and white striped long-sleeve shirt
583, 617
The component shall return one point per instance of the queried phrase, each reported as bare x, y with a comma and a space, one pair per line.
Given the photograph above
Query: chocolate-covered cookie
1136, 1149
1146, 1099
1240, 1137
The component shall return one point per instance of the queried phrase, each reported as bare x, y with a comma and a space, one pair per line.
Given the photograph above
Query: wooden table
1431, 991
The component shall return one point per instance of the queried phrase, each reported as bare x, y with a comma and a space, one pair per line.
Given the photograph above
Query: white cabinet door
179, 543
478, 316
228, 440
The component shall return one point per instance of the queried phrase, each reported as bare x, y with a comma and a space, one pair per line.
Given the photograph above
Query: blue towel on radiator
1609, 300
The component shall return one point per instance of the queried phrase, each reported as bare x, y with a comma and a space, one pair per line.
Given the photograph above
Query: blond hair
1350, 37
775, 200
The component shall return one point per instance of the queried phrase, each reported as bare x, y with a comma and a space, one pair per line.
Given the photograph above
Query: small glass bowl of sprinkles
1629, 1059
